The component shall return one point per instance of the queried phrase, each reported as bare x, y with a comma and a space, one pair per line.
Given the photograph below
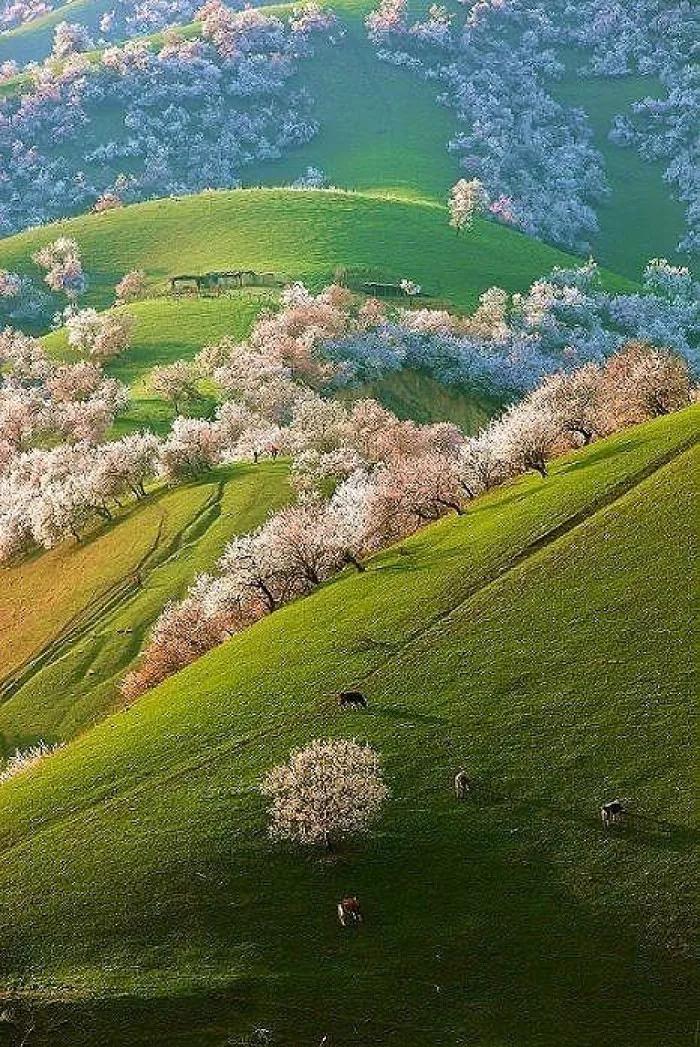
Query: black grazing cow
352, 700
612, 813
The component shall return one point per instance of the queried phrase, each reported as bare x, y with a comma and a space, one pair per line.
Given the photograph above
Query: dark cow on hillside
352, 700
612, 813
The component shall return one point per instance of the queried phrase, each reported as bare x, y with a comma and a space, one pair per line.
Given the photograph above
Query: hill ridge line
269, 190
546, 540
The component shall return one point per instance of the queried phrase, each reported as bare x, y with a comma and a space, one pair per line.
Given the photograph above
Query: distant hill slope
382, 130
169, 329
301, 235
541, 641
75, 617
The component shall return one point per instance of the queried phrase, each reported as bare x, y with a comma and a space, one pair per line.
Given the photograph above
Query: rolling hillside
383, 132
540, 641
166, 330
170, 329
299, 235
76, 616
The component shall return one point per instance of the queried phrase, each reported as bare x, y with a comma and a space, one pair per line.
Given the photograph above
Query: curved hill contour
299, 235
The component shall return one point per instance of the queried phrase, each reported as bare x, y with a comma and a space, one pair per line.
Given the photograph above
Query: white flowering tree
328, 790
131, 287
100, 335
176, 382
64, 269
467, 200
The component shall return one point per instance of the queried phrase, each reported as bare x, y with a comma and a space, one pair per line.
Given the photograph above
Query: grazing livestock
352, 700
612, 813
349, 911
463, 785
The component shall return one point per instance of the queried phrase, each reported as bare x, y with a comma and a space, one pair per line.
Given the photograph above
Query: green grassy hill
541, 641
299, 235
383, 132
76, 616
170, 329
640, 219
304, 235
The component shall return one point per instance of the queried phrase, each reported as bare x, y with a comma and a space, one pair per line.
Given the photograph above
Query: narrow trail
116, 596
108, 797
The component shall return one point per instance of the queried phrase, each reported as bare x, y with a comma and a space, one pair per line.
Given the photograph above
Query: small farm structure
372, 281
379, 290
218, 282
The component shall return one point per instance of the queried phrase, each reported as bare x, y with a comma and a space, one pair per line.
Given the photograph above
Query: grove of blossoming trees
18, 12
41, 400
387, 477
273, 391
183, 118
21, 300
535, 156
512, 342
126, 18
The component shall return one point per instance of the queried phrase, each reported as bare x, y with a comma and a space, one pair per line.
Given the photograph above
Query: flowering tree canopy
330, 789
467, 200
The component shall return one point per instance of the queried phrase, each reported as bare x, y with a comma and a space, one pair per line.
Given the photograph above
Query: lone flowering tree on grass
331, 789
467, 200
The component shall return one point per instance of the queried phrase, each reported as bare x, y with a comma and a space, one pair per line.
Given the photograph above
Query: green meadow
541, 641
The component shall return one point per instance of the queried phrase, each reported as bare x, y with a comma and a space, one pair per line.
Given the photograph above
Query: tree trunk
354, 562
267, 597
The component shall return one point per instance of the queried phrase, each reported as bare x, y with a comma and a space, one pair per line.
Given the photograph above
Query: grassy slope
541, 641
299, 235
77, 615
382, 131
640, 219
167, 330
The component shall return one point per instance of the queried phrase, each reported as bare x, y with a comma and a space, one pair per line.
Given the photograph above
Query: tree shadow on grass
603, 453
458, 947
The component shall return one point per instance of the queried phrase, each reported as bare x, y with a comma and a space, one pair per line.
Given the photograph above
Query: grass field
543, 642
383, 132
76, 616
640, 219
301, 235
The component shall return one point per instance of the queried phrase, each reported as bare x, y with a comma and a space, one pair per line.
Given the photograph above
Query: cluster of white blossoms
330, 789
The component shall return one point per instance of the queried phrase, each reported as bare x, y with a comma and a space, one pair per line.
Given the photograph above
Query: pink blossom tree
328, 790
